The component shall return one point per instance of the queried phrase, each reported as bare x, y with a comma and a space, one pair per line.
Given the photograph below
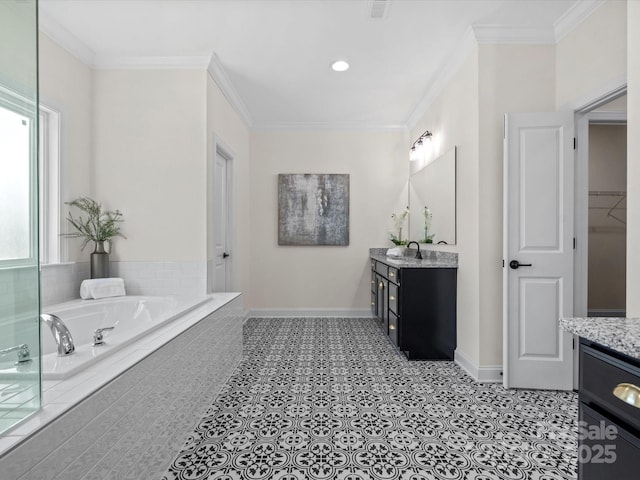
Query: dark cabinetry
416, 308
609, 428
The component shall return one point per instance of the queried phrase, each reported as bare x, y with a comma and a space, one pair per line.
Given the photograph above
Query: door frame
584, 116
222, 149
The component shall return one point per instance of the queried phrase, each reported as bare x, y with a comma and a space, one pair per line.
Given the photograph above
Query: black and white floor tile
330, 398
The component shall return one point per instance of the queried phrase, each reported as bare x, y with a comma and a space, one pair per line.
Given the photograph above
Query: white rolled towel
102, 288
395, 252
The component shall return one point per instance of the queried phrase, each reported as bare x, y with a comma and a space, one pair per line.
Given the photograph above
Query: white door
221, 267
538, 250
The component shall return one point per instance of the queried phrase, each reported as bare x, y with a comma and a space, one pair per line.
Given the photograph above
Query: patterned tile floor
318, 398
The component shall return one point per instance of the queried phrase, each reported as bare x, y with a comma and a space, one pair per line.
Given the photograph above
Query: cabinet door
374, 291
393, 328
393, 298
605, 450
383, 302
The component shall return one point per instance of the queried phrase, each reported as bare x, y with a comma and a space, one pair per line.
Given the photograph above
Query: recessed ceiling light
339, 66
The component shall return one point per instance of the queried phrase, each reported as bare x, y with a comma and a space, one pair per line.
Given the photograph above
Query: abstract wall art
313, 209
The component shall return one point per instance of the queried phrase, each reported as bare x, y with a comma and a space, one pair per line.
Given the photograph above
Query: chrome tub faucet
61, 334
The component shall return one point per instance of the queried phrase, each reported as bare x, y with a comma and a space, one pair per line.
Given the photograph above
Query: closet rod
604, 193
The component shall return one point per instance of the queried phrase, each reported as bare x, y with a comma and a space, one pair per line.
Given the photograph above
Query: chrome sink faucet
61, 334
418, 253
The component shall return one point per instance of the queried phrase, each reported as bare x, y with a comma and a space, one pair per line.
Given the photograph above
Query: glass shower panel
20, 389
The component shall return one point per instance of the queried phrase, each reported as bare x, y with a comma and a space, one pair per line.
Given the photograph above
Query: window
19, 189
49, 164
17, 180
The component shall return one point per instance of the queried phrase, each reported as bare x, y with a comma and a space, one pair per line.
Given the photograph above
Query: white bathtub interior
131, 317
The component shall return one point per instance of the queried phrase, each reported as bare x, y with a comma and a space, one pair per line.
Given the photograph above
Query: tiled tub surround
61, 282
127, 420
616, 333
430, 258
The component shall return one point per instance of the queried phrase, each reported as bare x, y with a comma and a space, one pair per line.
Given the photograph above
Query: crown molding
445, 73
574, 16
219, 75
514, 35
104, 62
64, 38
330, 126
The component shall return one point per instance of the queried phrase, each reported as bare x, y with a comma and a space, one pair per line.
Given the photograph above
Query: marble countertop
430, 259
620, 334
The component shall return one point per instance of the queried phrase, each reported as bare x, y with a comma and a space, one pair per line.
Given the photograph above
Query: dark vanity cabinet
609, 427
417, 308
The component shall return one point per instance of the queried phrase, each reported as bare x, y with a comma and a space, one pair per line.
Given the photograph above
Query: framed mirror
434, 186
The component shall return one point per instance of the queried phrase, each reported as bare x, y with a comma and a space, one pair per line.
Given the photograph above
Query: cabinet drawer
393, 298
393, 328
381, 268
374, 285
605, 449
600, 375
393, 275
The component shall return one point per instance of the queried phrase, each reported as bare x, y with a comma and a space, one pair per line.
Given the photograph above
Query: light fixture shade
413, 154
422, 147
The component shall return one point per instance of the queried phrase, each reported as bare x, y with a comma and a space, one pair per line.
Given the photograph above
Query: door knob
515, 264
225, 255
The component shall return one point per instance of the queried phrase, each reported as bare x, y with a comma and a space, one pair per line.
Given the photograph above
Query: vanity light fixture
340, 66
418, 148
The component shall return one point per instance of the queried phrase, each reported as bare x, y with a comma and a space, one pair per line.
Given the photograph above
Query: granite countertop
430, 258
620, 334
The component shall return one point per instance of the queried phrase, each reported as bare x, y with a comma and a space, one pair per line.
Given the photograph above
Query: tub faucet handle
24, 355
98, 338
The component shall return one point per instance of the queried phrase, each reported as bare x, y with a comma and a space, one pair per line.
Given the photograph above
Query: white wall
453, 119
150, 160
592, 58
66, 85
633, 161
225, 125
18, 49
512, 78
323, 277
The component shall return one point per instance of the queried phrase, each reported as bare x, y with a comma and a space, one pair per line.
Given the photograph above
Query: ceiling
273, 56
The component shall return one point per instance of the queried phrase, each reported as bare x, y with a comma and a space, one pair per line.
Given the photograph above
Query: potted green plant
97, 226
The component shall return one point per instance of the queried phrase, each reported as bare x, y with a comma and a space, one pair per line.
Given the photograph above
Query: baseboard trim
482, 374
309, 312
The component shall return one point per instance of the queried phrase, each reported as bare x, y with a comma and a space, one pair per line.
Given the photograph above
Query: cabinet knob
391, 297
381, 285
391, 274
628, 393
392, 327
373, 303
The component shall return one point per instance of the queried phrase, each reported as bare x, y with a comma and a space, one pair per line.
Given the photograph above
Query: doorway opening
600, 221
607, 230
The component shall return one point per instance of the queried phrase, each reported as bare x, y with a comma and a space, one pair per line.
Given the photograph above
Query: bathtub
133, 318
81, 377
